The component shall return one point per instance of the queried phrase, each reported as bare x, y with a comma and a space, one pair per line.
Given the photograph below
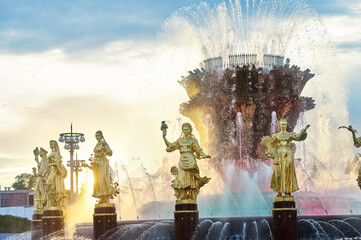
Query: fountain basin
309, 227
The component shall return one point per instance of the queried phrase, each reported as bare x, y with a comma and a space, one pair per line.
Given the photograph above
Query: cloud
346, 33
345, 30
35, 27
6, 162
55, 115
334, 7
88, 114
29, 79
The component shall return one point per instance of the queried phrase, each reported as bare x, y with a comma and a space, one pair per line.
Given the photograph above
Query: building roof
17, 191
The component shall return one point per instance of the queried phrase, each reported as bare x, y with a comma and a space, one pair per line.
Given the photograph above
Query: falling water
178, 127
239, 132
256, 227
228, 193
152, 187
274, 124
209, 126
253, 193
131, 188
244, 231
302, 121
264, 27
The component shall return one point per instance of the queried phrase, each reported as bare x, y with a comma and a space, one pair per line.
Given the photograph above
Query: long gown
188, 172
39, 192
284, 175
101, 171
56, 177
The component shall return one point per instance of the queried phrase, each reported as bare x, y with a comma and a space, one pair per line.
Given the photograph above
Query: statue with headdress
278, 148
40, 195
104, 187
55, 175
188, 181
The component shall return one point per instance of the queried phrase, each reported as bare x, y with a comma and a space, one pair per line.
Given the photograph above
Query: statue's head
283, 124
43, 152
99, 135
187, 128
54, 145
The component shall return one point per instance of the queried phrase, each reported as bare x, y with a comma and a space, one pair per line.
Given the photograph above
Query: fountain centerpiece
240, 101
244, 85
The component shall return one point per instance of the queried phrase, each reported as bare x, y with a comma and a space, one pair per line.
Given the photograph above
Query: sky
91, 63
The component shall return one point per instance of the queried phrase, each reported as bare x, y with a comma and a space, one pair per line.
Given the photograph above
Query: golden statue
104, 188
356, 143
278, 148
56, 172
39, 192
187, 182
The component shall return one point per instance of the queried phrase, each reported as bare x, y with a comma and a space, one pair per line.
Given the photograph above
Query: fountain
248, 95
245, 84
237, 96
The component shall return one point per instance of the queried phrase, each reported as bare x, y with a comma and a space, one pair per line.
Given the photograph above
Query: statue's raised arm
300, 136
356, 140
164, 128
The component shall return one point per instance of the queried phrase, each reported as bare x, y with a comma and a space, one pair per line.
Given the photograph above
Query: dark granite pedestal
185, 220
37, 226
104, 219
53, 222
284, 219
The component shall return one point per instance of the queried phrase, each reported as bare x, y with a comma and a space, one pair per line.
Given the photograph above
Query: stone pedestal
53, 222
185, 220
104, 219
284, 218
37, 226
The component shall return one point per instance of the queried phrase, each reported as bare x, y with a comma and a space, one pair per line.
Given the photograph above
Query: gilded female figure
42, 165
55, 179
284, 175
103, 185
188, 181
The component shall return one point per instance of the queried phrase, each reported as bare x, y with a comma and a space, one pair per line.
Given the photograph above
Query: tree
12, 224
24, 181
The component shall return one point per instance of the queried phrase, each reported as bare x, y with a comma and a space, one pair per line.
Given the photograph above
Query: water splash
239, 123
274, 124
256, 227
152, 187
209, 128
198, 32
264, 27
132, 190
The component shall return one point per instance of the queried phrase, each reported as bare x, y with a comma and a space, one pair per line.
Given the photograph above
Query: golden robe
101, 171
55, 179
188, 174
39, 192
284, 175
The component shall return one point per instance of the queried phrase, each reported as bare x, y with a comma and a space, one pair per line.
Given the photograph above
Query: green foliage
12, 224
24, 181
